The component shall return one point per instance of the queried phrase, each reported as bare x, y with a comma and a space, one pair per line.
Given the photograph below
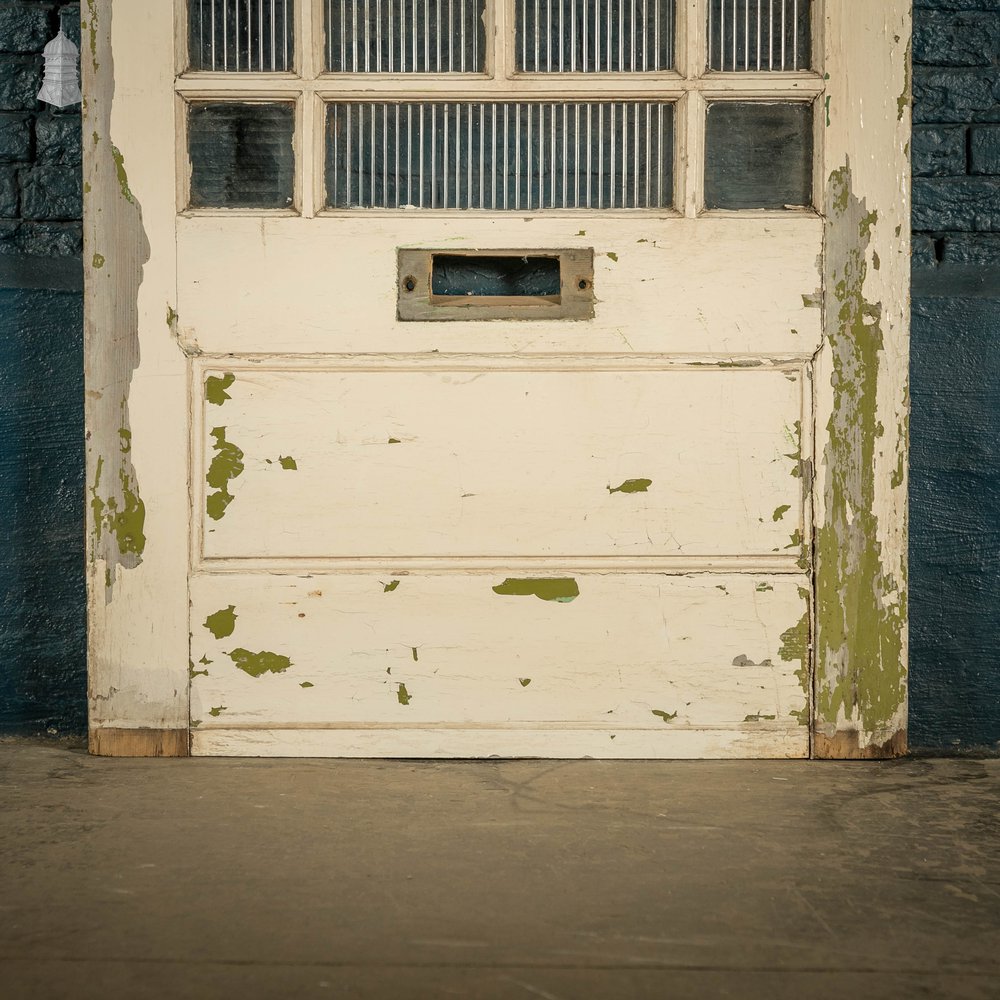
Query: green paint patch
413, 650
562, 590
582, 232
258, 664
780, 512
216, 386
632, 486
665, 716
225, 467
613, 256
524, 681
192, 673
388, 588
402, 695
759, 717
287, 462
827, 103
796, 540
205, 660
223, 623
306, 684
813, 301
122, 176
122, 514
795, 649
217, 711
99, 260
393, 441
763, 587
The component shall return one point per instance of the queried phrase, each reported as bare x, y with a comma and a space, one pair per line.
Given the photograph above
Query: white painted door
541, 484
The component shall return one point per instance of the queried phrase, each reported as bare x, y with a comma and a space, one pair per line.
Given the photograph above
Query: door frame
137, 373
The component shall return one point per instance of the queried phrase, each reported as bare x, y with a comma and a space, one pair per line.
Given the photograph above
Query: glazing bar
347, 156
517, 154
433, 156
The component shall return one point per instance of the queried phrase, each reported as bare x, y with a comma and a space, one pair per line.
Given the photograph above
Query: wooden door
498, 377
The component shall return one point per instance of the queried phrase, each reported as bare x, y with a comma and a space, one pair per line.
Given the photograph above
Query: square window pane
405, 36
759, 36
758, 155
241, 155
594, 36
520, 157
241, 36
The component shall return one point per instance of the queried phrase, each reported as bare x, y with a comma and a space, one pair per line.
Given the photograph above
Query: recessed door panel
439, 464
645, 658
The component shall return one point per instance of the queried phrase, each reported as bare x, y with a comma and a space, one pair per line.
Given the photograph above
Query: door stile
136, 387
862, 398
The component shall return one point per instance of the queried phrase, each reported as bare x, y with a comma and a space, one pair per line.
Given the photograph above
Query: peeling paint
226, 466
216, 386
287, 462
258, 664
759, 717
632, 486
524, 681
814, 300
222, 624
613, 256
762, 587
665, 716
861, 608
562, 590
903, 101
393, 441
116, 242
306, 684
388, 588
780, 512
413, 651
217, 711
402, 695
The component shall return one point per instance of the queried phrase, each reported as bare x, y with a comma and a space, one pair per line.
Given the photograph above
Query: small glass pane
500, 157
758, 155
241, 36
405, 36
594, 36
755, 36
241, 155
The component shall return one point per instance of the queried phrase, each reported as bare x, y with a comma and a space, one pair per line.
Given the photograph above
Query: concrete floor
395, 880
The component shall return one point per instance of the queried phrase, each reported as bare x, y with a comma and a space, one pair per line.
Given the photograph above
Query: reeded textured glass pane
759, 35
500, 157
594, 36
241, 36
241, 155
758, 155
405, 36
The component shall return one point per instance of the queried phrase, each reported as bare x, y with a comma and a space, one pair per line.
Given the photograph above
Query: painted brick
920, 6
9, 200
57, 139
956, 95
984, 150
51, 192
948, 39
938, 151
923, 253
973, 250
20, 81
24, 27
15, 138
50, 239
941, 204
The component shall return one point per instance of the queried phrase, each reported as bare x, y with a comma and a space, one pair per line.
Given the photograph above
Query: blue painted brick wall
955, 376
955, 380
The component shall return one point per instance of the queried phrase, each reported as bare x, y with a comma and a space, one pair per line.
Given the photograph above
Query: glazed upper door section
677, 142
